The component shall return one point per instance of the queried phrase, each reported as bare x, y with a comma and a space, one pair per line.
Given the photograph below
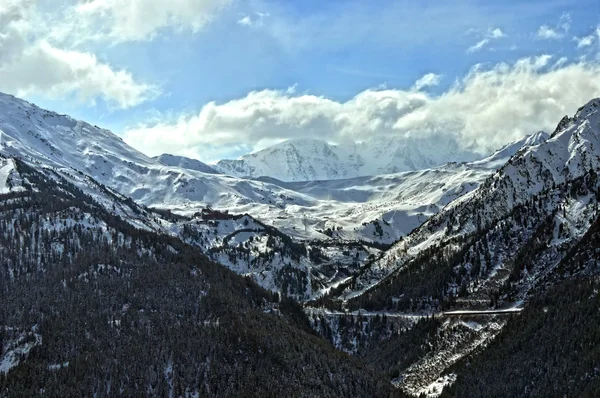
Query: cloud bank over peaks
489, 107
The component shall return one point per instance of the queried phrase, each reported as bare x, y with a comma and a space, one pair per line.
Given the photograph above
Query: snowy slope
239, 242
494, 247
9, 178
185, 163
313, 159
478, 218
380, 209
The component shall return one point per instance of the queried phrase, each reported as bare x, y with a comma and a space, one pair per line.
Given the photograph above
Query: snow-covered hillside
185, 163
102, 166
496, 248
473, 235
314, 159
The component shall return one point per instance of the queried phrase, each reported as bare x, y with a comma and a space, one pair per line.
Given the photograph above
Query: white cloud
487, 108
478, 46
428, 80
560, 62
134, 20
491, 34
585, 41
546, 32
559, 31
256, 20
496, 33
565, 22
30, 64
67, 72
246, 21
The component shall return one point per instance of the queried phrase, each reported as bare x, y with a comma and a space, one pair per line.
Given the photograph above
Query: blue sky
147, 69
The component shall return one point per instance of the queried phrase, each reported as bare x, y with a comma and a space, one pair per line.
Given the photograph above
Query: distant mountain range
314, 159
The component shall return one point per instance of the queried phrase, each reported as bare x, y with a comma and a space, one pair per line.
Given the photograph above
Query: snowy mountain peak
588, 109
537, 138
299, 144
571, 152
501, 156
297, 148
313, 159
75, 150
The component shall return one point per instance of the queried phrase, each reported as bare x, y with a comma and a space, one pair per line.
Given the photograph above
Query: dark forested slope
553, 348
93, 306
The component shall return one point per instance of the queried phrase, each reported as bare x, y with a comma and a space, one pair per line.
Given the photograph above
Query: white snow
18, 347
8, 179
435, 389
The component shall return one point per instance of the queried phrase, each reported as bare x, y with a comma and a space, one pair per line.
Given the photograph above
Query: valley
410, 275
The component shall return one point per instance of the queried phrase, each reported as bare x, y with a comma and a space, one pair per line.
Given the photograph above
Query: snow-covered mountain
547, 193
380, 209
123, 181
185, 163
397, 202
520, 234
489, 233
74, 147
314, 159
139, 312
